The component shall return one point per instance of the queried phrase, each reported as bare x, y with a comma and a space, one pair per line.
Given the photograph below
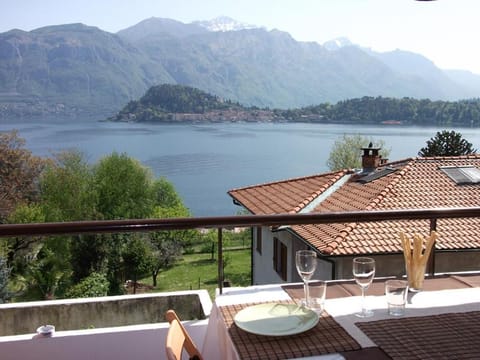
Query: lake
205, 161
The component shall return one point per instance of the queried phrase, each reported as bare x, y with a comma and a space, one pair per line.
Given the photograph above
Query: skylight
376, 175
462, 174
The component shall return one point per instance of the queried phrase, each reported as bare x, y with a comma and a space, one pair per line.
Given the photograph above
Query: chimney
371, 158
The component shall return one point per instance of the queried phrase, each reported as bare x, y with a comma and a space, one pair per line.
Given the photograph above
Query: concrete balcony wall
101, 312
146, 342
141, 341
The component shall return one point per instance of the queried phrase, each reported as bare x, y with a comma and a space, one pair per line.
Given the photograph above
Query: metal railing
220, 222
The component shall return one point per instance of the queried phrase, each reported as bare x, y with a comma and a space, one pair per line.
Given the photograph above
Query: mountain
73, 66
79, 69
224, 23
157, 29
421, 70
465, 78
271, 69
337, 43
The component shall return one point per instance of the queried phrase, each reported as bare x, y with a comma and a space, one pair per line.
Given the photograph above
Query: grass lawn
199, 271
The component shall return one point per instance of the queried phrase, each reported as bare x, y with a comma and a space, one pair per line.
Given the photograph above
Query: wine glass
306, 262
364, 272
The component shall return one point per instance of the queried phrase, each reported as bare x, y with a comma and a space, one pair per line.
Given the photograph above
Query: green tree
89, 253
346, 151
47, 273
68, 194
124, 188
167, 245
4, 280
447, 143
165, 196
20, 250
96, 284
67, 190
137, 259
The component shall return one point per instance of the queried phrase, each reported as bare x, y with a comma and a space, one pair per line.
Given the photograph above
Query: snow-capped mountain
224, 23
337, 43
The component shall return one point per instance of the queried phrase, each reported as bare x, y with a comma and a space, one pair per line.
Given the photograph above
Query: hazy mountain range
76, 68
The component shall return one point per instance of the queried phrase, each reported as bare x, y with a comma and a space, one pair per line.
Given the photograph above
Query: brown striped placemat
443, 336
325, 338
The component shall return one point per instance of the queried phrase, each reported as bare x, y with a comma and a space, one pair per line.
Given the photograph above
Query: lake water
205, 161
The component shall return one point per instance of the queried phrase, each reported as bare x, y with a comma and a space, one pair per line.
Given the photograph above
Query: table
452, 300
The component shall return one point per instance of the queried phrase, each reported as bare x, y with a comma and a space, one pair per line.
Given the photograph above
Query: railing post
431, 259
220, 260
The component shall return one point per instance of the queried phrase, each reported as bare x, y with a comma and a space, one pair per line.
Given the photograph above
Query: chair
178, 339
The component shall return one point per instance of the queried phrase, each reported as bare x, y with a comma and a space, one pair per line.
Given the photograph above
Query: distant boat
392, 122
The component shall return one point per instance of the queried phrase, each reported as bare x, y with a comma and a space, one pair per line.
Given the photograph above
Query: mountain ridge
78, 69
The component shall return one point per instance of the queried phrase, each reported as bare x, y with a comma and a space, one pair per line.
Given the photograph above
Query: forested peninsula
182, 104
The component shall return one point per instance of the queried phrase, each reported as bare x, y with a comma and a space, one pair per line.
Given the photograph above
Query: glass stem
364, 310
307, 297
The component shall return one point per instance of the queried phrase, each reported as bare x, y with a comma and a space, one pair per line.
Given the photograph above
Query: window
462, 175
259, 240
280, 254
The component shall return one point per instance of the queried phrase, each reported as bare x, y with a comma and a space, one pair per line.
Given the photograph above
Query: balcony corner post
220, 261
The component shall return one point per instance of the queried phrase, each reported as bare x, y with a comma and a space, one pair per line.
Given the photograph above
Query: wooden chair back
179, 339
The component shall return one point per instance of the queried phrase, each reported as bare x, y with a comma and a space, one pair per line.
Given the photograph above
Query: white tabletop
218, 345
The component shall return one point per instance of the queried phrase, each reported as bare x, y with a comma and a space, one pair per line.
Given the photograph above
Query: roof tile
417, 183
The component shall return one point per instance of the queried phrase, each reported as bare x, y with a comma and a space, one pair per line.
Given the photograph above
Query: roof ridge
345, 231
338, 175
474, 156
337, 172
395, 179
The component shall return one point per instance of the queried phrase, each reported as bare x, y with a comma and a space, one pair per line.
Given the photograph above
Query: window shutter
275, 253
283, 262
259, 240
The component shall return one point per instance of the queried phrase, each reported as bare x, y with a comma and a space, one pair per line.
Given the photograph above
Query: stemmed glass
364, 272
306, 262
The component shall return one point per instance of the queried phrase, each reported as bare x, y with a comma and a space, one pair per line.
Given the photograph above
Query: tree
4, 278
67, 190
47, 273
167, 245
19, 250
96, 284
124, 191
447, 143
346, 152
165, 196
88, 253
68, 194
124, 188
19, 172
137, 259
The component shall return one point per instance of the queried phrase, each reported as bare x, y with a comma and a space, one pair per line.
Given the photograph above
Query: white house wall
263, 271
324, 267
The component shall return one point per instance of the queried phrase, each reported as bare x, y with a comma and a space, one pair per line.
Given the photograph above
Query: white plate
275, 319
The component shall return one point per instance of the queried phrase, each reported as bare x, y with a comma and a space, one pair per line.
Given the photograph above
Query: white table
218, 344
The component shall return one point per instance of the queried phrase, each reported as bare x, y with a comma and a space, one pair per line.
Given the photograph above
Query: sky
445, 31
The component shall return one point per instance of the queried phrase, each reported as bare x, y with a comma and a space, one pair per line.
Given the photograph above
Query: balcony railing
144, 225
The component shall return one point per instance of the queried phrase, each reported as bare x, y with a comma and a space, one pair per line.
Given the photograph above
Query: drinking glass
306, 262
363, 272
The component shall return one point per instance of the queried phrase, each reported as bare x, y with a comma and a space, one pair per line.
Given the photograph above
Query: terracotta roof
415, 183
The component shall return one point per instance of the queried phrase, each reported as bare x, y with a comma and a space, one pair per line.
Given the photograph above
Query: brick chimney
371, 159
